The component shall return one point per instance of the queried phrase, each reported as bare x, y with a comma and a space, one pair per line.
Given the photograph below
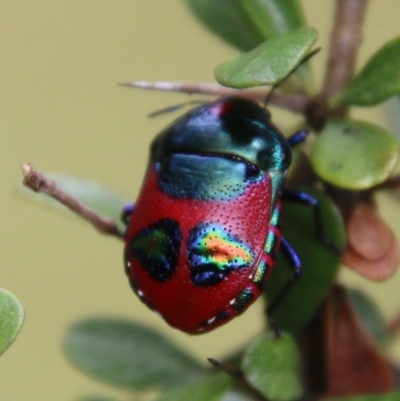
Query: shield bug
204, 233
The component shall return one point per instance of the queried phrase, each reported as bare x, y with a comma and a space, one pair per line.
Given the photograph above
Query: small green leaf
99, 199
269, 62
11, 319
228, 20
274, 17
272, 366
378, 397
246, 24
377, 81
369, 315
211, 389
353, 154
320, 262
128, 355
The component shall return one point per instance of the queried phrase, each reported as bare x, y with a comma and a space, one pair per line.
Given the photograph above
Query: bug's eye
157, 248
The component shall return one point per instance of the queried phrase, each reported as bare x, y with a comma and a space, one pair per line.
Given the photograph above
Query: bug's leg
126, 213
295, 263
297, 137
307, 199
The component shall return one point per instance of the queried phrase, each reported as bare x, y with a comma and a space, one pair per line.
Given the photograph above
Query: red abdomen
192, 260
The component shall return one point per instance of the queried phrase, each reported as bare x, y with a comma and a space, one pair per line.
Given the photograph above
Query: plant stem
345, 40
238, 376
235, 373
37, 182
296, 103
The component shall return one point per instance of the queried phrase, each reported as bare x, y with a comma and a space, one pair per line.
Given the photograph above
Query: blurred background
61, 109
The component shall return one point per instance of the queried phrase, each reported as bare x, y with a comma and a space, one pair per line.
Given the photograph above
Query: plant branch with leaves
340, 332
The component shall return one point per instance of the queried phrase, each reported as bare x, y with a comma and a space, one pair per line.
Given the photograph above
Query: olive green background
60, 108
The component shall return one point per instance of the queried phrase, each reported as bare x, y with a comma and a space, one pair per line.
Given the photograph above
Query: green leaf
378, 397
11, 319
228, 20
354, 154
370, 316
247, 23
269, 62
99, 199
377, 81
320, 262
211, 389
272, 366
128, 355
274, 17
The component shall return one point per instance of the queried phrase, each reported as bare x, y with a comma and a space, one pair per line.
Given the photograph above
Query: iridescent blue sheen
271, 238
205, 177
241, 301
232, 126
214, 253
260, 272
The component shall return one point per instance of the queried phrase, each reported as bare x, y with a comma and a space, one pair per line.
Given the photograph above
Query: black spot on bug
157, 248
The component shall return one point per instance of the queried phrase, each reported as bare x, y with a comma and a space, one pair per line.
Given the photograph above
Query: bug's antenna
174, 107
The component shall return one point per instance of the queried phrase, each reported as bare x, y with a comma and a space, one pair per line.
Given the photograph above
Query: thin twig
235, 373
295, 103
238, 376
37, 182
345, 40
